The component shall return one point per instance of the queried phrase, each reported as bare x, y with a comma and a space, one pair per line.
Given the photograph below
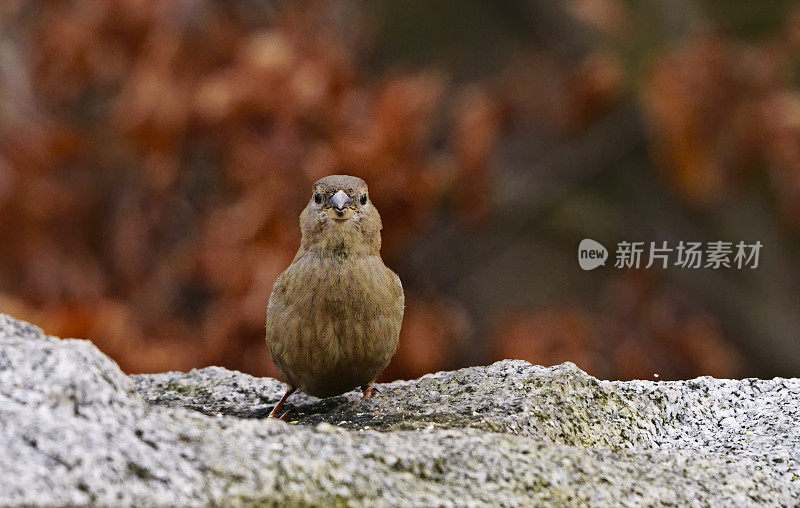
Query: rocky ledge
77, 431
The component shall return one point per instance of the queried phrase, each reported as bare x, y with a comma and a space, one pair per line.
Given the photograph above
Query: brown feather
334, 315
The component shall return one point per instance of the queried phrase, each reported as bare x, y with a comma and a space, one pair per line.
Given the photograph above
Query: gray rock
78, 431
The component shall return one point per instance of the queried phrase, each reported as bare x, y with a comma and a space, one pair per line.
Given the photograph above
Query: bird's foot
277, 409
369, 392
285, 416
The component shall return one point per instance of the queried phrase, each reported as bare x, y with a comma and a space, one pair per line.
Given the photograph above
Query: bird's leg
369, 391
279, 405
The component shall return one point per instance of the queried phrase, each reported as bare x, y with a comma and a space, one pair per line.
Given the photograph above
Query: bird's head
340, 215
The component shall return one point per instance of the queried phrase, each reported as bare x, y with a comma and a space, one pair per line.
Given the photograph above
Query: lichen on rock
77, 430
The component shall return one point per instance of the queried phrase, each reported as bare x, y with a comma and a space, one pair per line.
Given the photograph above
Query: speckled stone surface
78, 431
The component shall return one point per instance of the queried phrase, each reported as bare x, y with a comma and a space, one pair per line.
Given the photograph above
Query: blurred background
155, 156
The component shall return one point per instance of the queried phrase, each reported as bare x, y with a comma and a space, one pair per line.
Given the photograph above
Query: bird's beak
341, 206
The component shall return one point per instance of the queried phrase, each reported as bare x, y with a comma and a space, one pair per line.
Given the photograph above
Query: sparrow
334, 315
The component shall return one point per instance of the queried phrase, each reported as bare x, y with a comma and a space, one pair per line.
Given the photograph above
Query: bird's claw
285, 416
275, 411
369, 392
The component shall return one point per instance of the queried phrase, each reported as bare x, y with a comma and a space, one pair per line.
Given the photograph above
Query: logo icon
591, 254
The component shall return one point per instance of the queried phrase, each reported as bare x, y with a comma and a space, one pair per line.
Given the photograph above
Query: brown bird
334, 315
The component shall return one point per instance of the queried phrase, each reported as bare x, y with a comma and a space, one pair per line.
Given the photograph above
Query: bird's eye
317, 198
363, 199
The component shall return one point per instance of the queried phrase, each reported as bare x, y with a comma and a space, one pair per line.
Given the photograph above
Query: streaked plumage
334, 316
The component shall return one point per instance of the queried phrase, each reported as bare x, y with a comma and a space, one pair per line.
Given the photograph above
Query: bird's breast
333, 322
